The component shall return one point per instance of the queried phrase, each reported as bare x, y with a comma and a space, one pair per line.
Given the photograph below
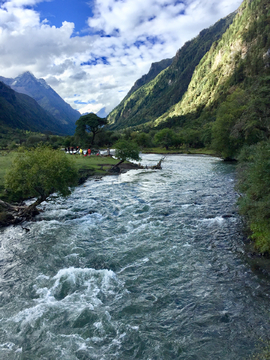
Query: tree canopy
253, 184
165, 137
89, 123
39, 173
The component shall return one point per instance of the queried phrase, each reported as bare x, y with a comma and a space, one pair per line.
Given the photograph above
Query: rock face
102, 113
46, 97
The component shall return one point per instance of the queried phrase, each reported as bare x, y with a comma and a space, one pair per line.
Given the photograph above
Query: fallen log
158, 166
15, 214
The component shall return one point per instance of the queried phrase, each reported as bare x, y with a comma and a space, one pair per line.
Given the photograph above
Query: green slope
157, 96
239, 59
230, 89
155, 69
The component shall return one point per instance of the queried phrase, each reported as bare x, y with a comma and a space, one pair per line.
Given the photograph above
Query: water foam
71, 290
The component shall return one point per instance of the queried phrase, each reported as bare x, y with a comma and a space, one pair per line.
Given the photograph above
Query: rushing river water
147, 265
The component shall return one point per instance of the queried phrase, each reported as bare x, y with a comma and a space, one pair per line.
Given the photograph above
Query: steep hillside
226, 107
229, 93
22, 112
154, 98
46, 97
240, 59
155, 69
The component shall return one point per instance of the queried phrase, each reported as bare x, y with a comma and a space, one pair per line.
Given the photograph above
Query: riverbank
90, 166
86, 166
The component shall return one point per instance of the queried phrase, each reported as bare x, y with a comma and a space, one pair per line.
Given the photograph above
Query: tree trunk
93, 138
120, 162
115, 168
31, 210
14, 214
9, 207
158, 166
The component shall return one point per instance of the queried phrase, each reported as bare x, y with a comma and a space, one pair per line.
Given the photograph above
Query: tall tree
90, 123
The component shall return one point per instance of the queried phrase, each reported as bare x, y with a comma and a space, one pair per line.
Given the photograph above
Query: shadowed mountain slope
47, 98
23, 112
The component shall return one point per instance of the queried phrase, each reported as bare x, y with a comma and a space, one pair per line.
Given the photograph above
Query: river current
145, 265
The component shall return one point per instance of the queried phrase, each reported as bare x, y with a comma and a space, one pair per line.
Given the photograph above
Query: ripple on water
145, 265
71, 310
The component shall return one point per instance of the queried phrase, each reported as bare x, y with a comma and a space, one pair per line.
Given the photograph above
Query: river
145, 265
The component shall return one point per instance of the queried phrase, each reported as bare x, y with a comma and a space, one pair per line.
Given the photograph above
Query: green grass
98, 164
159, 150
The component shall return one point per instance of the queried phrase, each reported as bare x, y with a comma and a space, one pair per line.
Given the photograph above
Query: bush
126, 150
164, 138
254, 185
39, 173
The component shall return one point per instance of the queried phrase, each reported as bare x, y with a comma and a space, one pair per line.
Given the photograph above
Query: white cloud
124, 38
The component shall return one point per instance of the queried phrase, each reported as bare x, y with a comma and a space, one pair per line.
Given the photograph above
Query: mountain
102, 113
151, 96
47, 98
218, 86
23, 112
155, 69
229, 94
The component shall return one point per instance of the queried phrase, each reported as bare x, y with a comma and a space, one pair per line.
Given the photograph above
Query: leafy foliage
127, 150
224, 141
39, 173
254, 180
89, 123
165, 138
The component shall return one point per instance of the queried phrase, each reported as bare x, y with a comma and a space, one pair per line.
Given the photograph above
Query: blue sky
58, 11
91, 52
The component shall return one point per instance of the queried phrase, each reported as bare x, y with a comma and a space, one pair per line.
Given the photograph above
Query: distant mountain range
224, 65
102, 113
57, 115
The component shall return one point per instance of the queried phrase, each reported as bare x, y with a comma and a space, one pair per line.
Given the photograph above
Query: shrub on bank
254, 186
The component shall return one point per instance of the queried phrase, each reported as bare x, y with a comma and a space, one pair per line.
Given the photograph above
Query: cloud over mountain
94, 65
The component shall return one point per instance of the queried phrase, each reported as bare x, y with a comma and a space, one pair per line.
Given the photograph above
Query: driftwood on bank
158, 166
122, 167
15, 214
